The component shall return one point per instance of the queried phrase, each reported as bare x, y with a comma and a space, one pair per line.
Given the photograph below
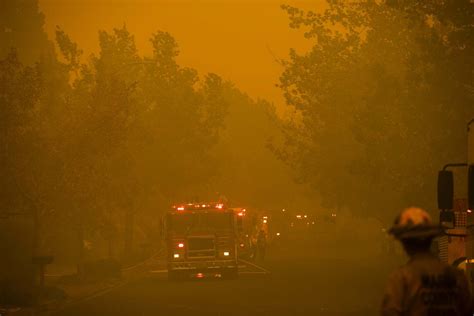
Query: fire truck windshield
209, 221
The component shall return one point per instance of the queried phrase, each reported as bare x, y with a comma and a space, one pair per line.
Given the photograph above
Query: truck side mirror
447, 218
446, 190
470, 187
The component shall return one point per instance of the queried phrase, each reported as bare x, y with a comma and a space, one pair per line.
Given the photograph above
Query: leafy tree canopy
382, 100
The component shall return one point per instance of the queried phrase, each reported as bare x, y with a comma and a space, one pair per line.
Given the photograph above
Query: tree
20, 91
21, 27
101, 109
136, 127
374, 98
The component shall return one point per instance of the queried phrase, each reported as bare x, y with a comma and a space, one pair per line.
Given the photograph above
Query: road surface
303, 280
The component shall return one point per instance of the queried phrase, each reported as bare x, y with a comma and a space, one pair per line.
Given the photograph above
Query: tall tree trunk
110, 246
129, 225
80, 247
36, 232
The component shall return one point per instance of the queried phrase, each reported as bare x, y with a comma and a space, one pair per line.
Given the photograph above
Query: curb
53, 307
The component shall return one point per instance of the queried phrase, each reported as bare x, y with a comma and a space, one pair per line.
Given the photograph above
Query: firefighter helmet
415, 222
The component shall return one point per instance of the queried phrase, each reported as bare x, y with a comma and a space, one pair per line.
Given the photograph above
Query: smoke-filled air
236, 157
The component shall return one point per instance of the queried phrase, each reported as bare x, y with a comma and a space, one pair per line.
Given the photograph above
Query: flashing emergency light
180, 245
192, 206
199, 275
176, 255
278, 234
241, 214
264, 221
298, 216
226, 253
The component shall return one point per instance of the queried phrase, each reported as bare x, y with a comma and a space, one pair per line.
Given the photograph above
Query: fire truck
200, 240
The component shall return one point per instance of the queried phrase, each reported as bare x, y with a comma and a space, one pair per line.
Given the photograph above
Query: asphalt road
304, 280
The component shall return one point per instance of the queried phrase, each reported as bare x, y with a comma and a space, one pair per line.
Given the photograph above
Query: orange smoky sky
238, 40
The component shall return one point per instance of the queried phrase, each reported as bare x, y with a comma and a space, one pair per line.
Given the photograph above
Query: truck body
249, 224
200, 241
469, 239
456, 204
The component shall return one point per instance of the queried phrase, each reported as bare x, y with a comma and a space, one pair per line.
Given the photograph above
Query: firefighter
261, 244
424, 285
253, 248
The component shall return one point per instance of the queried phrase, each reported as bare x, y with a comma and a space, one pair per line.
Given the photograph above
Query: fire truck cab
200, 241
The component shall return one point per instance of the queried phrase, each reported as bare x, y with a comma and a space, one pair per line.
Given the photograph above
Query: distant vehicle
243, 233
250, 222
302, 226
201, 241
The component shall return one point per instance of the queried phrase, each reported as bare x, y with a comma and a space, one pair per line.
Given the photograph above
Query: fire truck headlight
176, 255
226, 253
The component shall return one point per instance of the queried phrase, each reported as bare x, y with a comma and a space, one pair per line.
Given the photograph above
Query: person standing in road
424, 285
253, 247
261, 244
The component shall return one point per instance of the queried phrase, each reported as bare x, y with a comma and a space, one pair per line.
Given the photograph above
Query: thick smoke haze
145, 142
240, 40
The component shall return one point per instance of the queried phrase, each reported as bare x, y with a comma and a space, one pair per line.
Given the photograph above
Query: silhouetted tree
21, 27
382, 99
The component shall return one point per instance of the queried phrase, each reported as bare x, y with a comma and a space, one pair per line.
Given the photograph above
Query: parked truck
456, 247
